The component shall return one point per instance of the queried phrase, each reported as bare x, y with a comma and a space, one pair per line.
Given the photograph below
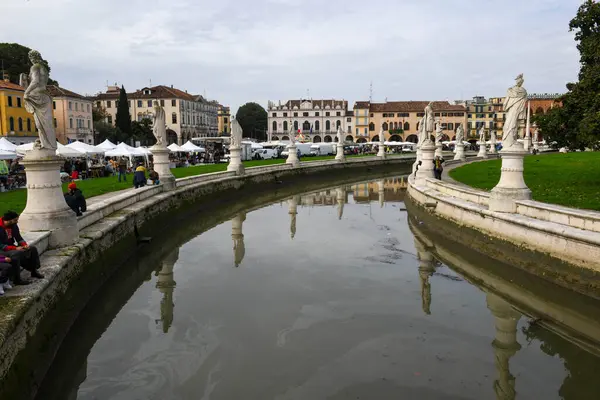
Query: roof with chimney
154, 92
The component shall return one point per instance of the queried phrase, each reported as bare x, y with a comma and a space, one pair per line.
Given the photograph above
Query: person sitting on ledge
10, 269
75, 199
139, 177
153, 176
13, 245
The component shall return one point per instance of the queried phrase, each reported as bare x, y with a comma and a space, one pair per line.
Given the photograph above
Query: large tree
577, 123
253, 120
15, 61
142, 132
123, 119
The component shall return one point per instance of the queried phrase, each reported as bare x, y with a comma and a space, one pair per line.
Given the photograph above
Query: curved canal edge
565, 242
108, 235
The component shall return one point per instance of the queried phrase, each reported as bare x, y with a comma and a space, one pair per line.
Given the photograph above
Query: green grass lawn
15, 200
570, 179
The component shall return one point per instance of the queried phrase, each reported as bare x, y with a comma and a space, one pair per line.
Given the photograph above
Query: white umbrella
174, 147
7, 146
8, 155
85, 148
61, 150
106, 145
192, 148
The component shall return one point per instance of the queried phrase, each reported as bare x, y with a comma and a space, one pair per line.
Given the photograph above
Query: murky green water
331, 295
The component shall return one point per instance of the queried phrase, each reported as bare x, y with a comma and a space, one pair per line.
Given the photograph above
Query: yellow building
480, 113
15, 122
224, 120
361, 120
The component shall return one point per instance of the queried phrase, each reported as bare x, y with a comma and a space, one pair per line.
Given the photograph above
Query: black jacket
6, 243
76, 201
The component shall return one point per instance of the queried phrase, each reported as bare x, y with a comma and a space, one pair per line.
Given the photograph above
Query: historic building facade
72, 116
188, 116
314, 120
224, 120
16, 124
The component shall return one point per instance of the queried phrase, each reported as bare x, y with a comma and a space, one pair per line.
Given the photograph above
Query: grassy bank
16, 199
570, 179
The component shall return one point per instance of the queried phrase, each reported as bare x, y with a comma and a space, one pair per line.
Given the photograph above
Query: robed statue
493, 137
236, 134
292, 135
514, 109
339, 134
460, 134
439, 133
422, 131
482, 134
38, 101
536, 133
429, 119
159, 127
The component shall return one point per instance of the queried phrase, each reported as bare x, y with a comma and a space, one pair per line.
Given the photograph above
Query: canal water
335, 294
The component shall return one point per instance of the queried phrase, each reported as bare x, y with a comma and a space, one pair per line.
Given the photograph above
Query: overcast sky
237, 51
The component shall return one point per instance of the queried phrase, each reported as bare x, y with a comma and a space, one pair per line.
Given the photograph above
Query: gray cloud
261, 50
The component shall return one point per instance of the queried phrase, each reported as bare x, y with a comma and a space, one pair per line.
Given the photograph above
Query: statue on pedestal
38, 101
429, 119
339, 134
482, 135
422, 131
514, 109
460, 134
439, 133
493, 137
536, 134
159, 127
236, 134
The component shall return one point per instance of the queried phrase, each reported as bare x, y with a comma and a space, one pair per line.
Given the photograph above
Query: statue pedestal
460, 152
235, 161
527, 143
160, 154
438, 150
339, 153
381, 150
493, 148
482, 150
426, 168
292, 156
511, 186
418, 155
46, 208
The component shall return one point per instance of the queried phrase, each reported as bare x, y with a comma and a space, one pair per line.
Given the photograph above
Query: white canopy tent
192, 148
85, 148
5, 145
61, 150
106, 145
8, 155
174, 147
124, 150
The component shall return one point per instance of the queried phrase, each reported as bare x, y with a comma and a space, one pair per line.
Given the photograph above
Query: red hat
72, 186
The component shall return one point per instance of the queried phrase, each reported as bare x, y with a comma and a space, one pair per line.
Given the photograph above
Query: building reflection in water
166, 285
237, 235
505, 344
385, 190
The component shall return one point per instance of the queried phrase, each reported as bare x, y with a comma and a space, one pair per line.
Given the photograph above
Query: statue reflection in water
426, 270
166, 285
340, 196
237, 235
381, 192
293, 211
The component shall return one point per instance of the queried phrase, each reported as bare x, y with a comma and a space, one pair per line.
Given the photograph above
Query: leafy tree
142, 132
99, 114
577, 123
253, 120
123, 119
16, 61
107, 131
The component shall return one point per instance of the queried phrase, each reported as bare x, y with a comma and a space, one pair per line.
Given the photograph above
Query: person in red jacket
13, 245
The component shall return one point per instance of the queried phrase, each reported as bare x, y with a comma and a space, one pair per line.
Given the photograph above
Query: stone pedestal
46, 208
482, 150
381, 150
505, 344
339, 153
237, 235
418, 155
293, 211
460, 152
511, 186
235, 161
160, 154
426, 168
527, 143
438, 150
166, 285
292, 156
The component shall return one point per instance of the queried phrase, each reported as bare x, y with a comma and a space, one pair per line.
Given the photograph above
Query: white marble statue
482, 135
493, 137
292, 135
422, 132
38, 101
536, 133
514, 109
339, 134
236, 134
439, 133
429, 119
159, 127
460, 134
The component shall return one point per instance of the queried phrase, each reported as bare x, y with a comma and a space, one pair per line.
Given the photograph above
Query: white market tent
85, 148
8, 155
5, 145
124, 150
192, 148
253, 145
61, 150
106, 145
174, 147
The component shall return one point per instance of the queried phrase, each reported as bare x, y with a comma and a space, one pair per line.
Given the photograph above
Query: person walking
123, 169
438, 167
